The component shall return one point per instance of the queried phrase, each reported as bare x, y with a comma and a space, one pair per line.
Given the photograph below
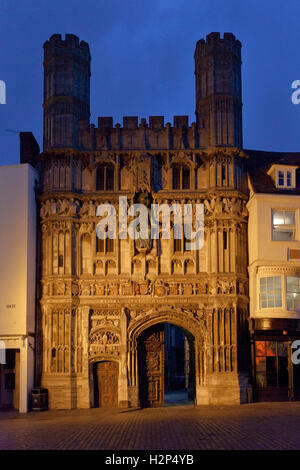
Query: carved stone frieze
157, 288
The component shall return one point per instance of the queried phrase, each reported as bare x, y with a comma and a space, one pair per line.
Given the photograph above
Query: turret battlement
71, 44
214, 44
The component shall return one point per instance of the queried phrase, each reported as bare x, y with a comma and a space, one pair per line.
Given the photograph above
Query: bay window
270, 292
293, 292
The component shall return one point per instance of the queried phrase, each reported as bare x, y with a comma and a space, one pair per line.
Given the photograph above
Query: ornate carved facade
100, 296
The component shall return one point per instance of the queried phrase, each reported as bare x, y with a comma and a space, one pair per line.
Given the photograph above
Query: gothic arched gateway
146, 352
153, 363
98, 296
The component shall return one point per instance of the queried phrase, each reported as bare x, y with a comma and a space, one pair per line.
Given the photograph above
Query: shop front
275, 372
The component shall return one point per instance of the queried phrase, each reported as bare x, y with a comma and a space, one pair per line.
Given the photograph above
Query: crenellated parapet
69, 45
143, 135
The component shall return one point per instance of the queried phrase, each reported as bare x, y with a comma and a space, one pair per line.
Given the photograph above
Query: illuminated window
270, 292
283, 225
271, 364
293, 292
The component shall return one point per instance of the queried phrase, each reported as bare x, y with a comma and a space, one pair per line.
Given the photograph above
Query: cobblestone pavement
253, 426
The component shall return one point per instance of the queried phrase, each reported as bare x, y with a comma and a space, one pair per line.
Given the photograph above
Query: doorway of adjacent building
296, 376
106, 384
166, 366
10, 380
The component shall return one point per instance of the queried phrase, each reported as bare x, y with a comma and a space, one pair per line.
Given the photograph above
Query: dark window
60, 261
109, 178
10, 357
224, 176
177, 244
105, 178
104, 246
176, 177
109, 245
225, 240
99, 245
9, 382
185, 178
100, 178
181, 177
280, 178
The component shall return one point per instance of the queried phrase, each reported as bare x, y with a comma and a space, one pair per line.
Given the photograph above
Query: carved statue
144, 244
73, 208
45, 209
84, 209
207, 207
63, 207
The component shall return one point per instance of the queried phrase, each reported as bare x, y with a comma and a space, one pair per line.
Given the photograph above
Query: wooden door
151, 366
107, 384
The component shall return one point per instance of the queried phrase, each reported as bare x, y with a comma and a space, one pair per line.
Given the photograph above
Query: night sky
142, 61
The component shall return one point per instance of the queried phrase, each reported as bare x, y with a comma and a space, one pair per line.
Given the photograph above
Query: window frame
106, 167
284, 227
274, 291
297, 292
181, 167
285, 178
106, 242
183, 240
276, 355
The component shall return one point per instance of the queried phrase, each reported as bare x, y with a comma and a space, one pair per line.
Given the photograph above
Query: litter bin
39, 399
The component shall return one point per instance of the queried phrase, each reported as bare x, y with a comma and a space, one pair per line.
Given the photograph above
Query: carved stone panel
106, 386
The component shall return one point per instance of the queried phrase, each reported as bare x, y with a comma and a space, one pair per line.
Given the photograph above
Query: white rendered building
17, 284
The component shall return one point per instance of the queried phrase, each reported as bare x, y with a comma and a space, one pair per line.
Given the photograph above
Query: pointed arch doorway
166, 365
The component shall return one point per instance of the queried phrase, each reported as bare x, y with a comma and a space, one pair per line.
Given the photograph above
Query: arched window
105, 178
181, 177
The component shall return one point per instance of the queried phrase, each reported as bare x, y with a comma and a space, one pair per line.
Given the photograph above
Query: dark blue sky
142, 61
